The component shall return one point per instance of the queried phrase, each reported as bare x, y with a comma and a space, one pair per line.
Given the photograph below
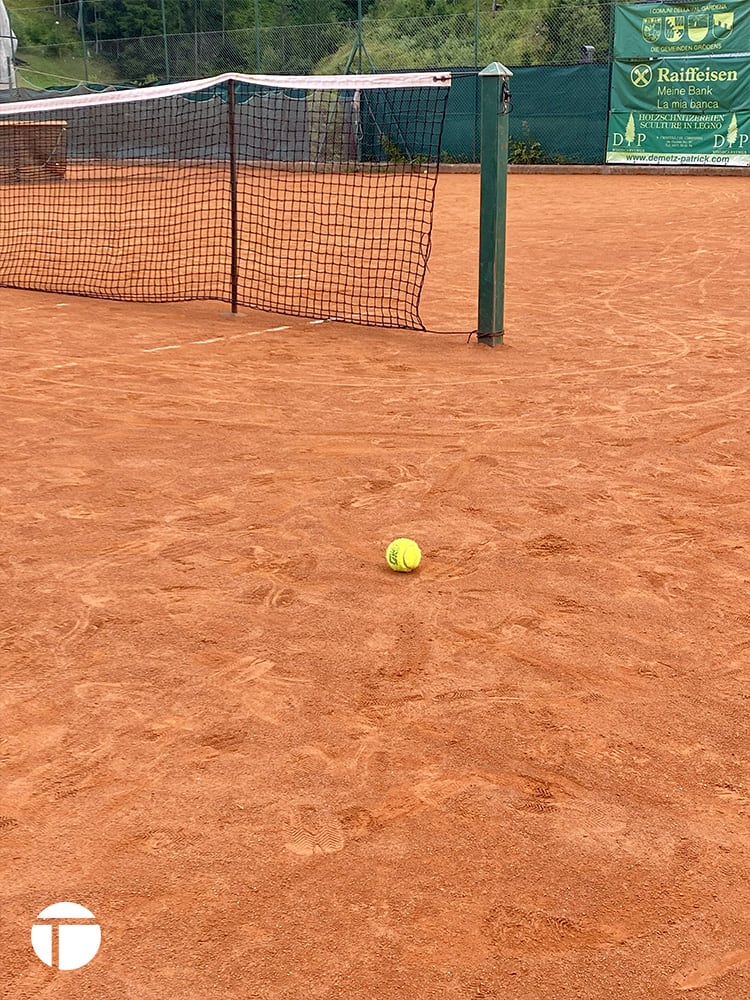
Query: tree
567, 28
630, 130
732, 131
125, 18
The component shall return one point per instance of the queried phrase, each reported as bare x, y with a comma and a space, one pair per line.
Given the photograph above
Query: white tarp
8, 44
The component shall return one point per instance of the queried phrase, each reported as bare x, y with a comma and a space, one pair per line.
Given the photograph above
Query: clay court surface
275, 769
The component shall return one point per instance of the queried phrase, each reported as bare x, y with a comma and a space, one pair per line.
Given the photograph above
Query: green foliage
35, 26
410, 34
527, 149
394, 153
49, 48
564, 35
304, 36
124, 18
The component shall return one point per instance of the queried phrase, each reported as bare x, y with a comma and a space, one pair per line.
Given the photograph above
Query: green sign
697, 86
650, 30
679, 92
719, 140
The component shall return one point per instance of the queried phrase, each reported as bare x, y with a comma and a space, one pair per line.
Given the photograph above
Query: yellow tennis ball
403, 555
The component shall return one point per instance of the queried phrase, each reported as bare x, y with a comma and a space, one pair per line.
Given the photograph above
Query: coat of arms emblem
651, 29
674, 27
723, 23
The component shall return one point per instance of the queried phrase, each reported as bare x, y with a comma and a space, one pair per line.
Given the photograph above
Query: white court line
257, 333
58, 305
248, 333
211, 340
216, 340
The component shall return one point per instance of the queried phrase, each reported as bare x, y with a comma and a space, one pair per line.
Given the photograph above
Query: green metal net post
494, 111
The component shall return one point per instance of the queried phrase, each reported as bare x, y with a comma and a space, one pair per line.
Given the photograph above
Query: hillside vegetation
409, 34
49, 48
124, 40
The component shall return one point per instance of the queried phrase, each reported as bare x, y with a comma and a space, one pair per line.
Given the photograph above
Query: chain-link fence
554, 33
558, 50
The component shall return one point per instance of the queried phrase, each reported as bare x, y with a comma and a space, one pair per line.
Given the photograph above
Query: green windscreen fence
563, 109
558, 115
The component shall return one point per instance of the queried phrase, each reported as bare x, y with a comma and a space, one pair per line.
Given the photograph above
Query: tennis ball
403, 555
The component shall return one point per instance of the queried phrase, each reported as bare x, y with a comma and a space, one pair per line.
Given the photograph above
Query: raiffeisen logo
69, 938
641, 75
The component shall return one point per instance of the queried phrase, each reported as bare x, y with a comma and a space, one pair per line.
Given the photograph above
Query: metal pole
359, 35
195, 39
164, 36
610, 68
476, 34
83, 41
495, 98
257, 38
476, 86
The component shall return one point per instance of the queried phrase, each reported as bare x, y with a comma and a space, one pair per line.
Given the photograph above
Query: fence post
495, 107
256, 12
82, 30
476, 34
358, 48
166, 43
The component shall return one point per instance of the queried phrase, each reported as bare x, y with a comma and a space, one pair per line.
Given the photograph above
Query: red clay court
274, 769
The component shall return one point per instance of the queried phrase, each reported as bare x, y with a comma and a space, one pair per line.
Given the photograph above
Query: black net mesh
312, 203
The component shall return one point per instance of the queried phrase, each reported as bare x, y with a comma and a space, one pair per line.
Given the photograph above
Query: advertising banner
721, 140
680, 91
648, 30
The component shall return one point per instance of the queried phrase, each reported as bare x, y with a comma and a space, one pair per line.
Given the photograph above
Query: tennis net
306, 196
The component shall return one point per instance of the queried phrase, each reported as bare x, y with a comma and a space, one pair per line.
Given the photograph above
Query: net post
257, 36
494, 111
234, 276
